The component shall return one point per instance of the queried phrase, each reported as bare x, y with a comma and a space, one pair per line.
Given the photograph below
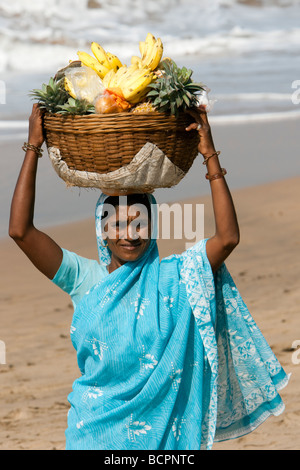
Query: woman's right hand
36, 132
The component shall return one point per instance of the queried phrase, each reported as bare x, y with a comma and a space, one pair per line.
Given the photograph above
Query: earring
103, 244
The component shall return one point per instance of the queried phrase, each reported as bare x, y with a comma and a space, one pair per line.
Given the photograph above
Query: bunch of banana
103, 61
131, 81
69, 87
152, 51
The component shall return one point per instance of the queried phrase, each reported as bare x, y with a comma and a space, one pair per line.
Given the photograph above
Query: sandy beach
245, 53
36, 316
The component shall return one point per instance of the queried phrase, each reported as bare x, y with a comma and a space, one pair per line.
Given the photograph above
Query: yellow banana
130, 80
140, 95
142, 47
158, 53
100, 54
120, 75
136, 60
69, 88
109, 78
153, 54
132, 68
132, 91
114, 61
89, 61
149, 44
126, 74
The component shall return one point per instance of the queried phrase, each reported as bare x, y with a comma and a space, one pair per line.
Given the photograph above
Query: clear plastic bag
204, 101
86, 83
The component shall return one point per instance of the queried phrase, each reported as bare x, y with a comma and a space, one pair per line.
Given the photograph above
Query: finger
192, 126
200, 115
203, 117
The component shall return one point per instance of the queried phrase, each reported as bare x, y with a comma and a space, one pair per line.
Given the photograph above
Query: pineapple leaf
174, 90
75, 106
186, 100
179, 101
51, 95
54, 98
153, 93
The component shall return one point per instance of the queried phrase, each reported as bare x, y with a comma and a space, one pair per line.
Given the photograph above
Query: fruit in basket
75, 106
55, 99
69, 87
102, 84
100, 54
130, 82
145, 107
136, 60
114, 62
106, 104
89, 61
51, 96
103, 61
110, 102
174, 89
83, 83
134, 84
152, 51
109, 60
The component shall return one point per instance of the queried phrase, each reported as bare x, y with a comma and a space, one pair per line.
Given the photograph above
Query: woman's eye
119, 225
142, 225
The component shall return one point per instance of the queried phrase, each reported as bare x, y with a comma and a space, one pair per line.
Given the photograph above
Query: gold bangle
34, 148
216, 175
216, 154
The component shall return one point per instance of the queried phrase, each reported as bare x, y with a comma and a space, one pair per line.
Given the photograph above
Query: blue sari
170, 357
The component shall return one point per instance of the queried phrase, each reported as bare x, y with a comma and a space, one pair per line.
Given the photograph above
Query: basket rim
117, 122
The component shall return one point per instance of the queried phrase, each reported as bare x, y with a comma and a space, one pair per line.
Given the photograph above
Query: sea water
245, 51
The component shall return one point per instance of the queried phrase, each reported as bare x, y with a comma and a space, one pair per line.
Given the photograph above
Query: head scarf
170, 357
104, 252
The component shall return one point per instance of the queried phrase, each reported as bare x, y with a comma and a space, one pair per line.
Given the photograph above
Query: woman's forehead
123, 212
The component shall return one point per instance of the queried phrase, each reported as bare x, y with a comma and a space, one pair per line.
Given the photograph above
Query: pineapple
144, 107
174, 90
55, 99
51, 96
75, 106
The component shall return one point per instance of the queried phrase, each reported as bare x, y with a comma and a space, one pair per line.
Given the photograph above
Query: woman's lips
130, 247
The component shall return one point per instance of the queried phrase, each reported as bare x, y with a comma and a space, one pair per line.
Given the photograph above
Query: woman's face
127, 232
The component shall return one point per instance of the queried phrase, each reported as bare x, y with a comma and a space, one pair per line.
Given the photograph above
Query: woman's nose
132, 233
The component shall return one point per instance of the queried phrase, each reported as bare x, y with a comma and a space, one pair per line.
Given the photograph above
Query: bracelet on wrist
216, 175
215, 154
34, 148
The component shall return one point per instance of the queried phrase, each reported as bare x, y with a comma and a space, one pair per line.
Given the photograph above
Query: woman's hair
129, 200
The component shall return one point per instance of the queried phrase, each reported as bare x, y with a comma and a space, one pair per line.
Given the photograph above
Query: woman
169, 354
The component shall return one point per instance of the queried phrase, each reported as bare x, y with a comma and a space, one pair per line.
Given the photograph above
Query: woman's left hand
206, 145
36, 134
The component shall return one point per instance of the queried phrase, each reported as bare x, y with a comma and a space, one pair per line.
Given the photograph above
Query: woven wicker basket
104, 143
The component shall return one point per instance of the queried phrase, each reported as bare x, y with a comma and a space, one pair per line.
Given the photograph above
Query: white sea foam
286, 97
246, 54
13, 125
44, 35
19, 136
255, 117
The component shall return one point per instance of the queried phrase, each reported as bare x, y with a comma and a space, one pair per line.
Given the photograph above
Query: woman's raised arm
44, 253
227, 235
